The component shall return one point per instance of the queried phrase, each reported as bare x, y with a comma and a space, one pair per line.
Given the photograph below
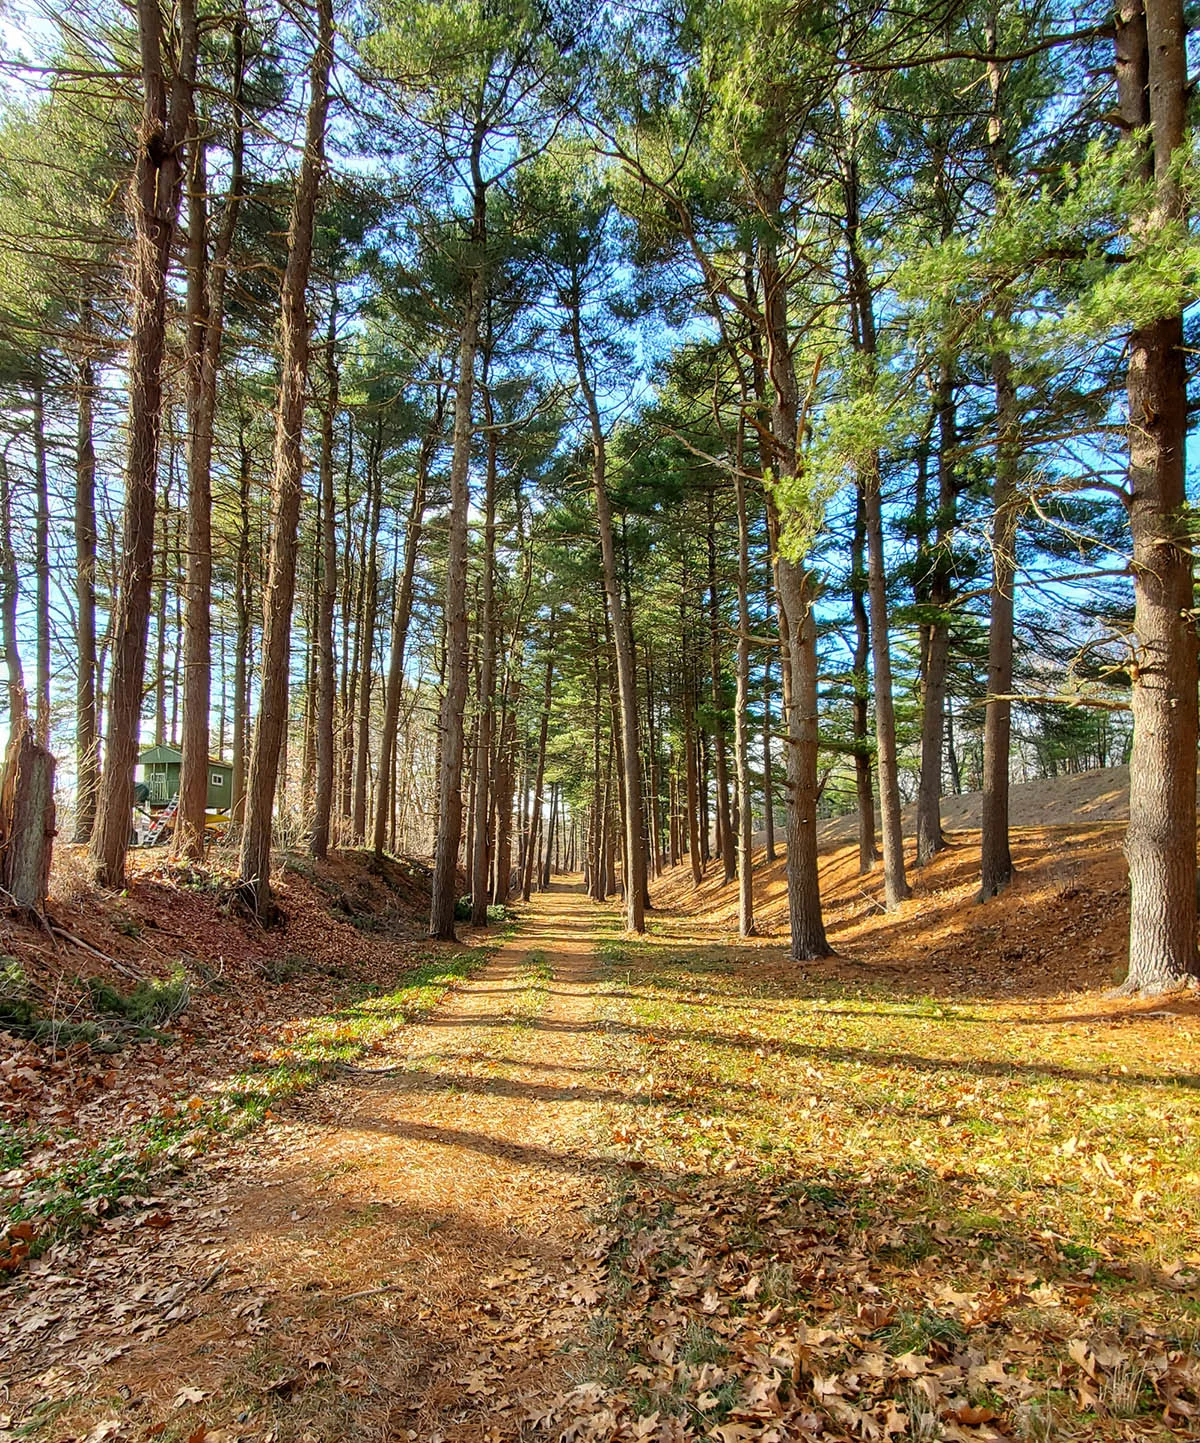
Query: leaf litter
827, 1202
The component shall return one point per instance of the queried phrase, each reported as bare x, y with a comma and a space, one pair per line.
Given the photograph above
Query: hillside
1101, 795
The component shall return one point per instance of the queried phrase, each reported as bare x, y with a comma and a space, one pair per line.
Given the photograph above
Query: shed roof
165, 756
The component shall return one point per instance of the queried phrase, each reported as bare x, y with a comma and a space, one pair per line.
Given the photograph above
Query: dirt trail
395, 1257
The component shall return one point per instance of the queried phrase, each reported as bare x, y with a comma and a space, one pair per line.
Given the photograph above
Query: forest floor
579, 1185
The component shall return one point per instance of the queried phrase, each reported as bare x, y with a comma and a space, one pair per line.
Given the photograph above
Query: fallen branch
123, 967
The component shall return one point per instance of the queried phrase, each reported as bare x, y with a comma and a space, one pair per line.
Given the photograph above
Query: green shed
160, 768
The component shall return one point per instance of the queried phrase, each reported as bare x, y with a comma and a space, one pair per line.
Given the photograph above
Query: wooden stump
27, 822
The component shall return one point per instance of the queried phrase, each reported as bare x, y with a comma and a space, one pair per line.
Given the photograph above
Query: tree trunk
41, 724
768, 758
160, 616
867, 854
401, 615
326, 672
26, 822
741, 741
206, 322
996, 864
635, 853
798, 630
693, 782
367, 619
87, 737
18, 699
481, 857
726, 844
535, 819
450, 729
241, 643
154, 199
551, 838
930, 839
254, 867
895, 883
1160, 843
450, 806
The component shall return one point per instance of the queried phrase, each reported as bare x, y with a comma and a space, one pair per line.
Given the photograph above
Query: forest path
396, 1257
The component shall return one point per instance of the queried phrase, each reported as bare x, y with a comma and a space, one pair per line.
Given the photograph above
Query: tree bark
635, 853
741, 740
254, 864
242, 628
206, 322
930, 839
154, 199
27, 822
1160, 843
725, 841
367, 619
450, 803
318, 843
18, 699
41, 723
87, 738
535, 817
798, 629
867, 854
996, 864
481, 858
401, 616
895, 883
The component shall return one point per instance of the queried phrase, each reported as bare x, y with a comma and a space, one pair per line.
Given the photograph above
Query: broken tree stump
27, 822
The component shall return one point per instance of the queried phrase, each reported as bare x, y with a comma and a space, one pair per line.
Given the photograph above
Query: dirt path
396, 1257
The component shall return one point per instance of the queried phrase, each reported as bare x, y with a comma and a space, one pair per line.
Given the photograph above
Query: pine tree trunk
41, 723
481, 855
206, 322
18, 700
867, 854
996, 864
160, 616
1160, 843
326, 669
401, 615
798, 631
930, 839
896, 887
241, 643
693, 783
254, 865
535, 820
551, 839
741, 740
368, 617
635, 853
725, 840
768, 758
87, 737
154, 203
450, 803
